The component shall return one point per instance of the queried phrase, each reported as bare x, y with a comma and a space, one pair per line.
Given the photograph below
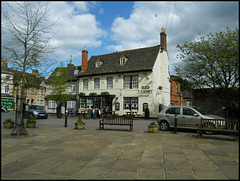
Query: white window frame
72, 88
130, 103
85, 84
130, 82
109, 82
96, 83
71, 104
52, 104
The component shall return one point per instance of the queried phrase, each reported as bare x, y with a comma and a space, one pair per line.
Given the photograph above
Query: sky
108, 26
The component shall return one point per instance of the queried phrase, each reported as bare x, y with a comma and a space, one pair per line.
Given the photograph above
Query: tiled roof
141, 59
71, 73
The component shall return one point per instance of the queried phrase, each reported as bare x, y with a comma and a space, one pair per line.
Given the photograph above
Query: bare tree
26, 36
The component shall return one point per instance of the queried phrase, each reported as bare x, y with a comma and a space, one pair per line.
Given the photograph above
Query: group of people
105, 110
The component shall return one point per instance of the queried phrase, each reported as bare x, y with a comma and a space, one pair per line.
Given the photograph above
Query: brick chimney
70, 64
35, 72
4, 64
84, 59
163, 40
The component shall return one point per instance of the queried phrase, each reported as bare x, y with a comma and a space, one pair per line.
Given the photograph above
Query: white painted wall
159, 76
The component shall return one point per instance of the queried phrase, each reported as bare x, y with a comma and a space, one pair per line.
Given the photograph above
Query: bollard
175, 126
65, 114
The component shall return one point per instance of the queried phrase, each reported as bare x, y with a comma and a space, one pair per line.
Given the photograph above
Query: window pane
127, 82
83, 103
72, 88
126, 103
97, 83
89, 103
71, 104
134, 103
85, 84
109, 82
135, 82
52, 104
187, 111
173, 110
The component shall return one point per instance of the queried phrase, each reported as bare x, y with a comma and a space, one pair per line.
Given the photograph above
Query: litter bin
147, 113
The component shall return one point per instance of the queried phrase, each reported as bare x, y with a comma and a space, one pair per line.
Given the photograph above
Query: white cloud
142, 29
75, 29
184, 21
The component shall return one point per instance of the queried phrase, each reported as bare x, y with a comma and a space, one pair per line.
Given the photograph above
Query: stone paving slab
61, 153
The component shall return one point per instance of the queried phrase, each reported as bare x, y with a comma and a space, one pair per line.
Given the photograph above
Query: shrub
79, 121
87, 116
153, 124
9, 121
31, 120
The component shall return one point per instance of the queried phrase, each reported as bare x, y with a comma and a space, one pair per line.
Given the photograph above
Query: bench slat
218, 125
116, 121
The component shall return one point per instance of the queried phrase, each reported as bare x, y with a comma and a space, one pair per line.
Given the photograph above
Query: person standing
58, 110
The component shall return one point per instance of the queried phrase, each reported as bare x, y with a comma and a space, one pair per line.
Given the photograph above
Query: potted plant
8, 123
31, 122
153, 127
79, 123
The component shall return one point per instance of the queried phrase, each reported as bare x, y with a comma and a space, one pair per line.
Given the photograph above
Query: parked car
187, 117
37, 111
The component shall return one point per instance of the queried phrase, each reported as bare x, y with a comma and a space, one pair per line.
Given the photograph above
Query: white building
127, 80
7, 98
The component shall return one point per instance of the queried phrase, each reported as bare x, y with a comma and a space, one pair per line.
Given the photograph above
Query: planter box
8, 125
31, 125
104, 93
93, 94
79, 126
153, 129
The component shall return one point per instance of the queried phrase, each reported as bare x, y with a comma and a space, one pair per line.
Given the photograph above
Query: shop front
94, 102
7, 101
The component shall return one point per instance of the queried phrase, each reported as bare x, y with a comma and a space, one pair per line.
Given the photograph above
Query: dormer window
98, 63
123, 60
76, 72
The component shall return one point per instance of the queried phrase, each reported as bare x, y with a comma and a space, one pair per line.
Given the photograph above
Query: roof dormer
123, 60
98, 63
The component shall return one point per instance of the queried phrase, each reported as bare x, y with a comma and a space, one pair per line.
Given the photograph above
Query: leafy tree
212, 62
59, 83
185, 84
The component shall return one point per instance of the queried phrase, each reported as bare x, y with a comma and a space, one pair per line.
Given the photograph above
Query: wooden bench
218, 126
116, 120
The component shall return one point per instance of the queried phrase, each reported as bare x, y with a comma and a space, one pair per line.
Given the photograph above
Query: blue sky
105, 27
